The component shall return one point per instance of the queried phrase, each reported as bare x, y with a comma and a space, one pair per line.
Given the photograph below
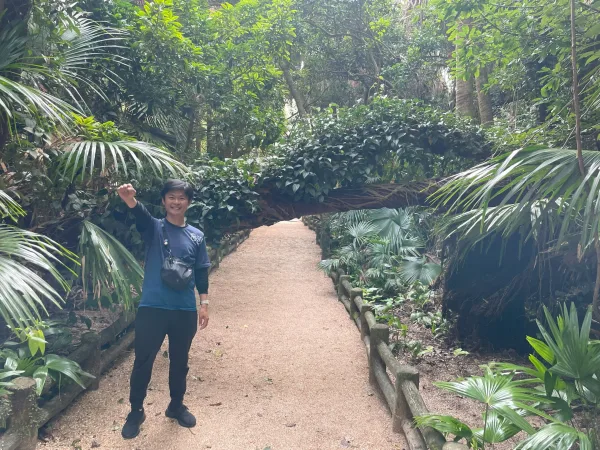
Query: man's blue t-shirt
188, 244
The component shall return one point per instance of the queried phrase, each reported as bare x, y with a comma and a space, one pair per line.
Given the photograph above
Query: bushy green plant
551, 389
27, 357
381, 247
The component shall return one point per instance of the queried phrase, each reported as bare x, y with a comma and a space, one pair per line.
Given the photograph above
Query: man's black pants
151, 327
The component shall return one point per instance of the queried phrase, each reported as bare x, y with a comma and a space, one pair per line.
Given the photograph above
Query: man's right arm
143, 218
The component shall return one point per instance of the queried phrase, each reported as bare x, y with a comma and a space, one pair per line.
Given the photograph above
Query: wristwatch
204, 302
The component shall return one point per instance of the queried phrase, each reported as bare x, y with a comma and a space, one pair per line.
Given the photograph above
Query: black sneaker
183, 416
132, 425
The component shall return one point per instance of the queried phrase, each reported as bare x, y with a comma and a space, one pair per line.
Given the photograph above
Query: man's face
176, 203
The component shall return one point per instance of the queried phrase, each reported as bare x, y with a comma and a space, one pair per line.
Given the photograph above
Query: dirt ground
280, 366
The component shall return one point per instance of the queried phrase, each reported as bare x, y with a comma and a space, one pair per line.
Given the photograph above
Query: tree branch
277, 208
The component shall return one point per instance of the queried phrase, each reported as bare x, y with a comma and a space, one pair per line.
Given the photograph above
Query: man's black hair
178, 185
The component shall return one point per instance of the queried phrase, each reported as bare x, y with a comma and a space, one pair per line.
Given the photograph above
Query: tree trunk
296, 94
464, 97
486, 116
274, 208
191, 129
209, 143
465, 106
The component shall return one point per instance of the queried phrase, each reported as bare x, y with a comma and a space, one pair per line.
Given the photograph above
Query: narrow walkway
280, 365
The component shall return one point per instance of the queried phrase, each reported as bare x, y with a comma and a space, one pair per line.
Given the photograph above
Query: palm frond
380, 255
352, 217
496, 429
530, 178
84, 156
329, 265
446, 425
576, 358
361, 231
391, 222
88, 43
22, 289
418, 269
556, 436
397, 226
492, 389
9, 207
14, 93
107, 266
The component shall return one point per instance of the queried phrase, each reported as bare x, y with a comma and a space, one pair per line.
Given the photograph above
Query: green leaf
107, 264
542, 349
556, 436
549, 382
40, 376
66, 367
22, 289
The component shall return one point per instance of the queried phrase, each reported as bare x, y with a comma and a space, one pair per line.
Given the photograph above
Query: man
164, 310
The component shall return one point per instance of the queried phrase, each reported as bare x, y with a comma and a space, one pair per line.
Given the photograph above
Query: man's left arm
201, 276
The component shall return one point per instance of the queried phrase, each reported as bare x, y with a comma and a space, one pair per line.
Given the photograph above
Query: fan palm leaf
107, 266
391, 222
497, 428
22, 289
398, 228
493, 390
418, 269
362, 231
577, 358
556, 436
530, 179
329, 265
85, 156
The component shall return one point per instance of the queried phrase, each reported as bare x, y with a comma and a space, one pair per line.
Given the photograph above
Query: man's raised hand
127, 194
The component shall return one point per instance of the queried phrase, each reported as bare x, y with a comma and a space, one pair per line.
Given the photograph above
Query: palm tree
538, 192
31, 264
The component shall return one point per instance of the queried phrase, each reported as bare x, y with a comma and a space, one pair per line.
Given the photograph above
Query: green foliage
104, 146
28, 358
226, 191
549, 392
376, 245
23, 290
536, 192
16, 96
107, 267
388, 140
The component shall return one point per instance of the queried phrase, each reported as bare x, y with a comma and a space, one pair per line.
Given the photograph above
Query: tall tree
486, 115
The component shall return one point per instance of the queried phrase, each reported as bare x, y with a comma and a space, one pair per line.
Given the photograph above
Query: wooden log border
401, 391
96, 353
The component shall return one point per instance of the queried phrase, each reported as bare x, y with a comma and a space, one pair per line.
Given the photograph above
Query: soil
280, 366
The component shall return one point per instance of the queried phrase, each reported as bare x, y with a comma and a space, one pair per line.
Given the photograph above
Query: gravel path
280, 365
